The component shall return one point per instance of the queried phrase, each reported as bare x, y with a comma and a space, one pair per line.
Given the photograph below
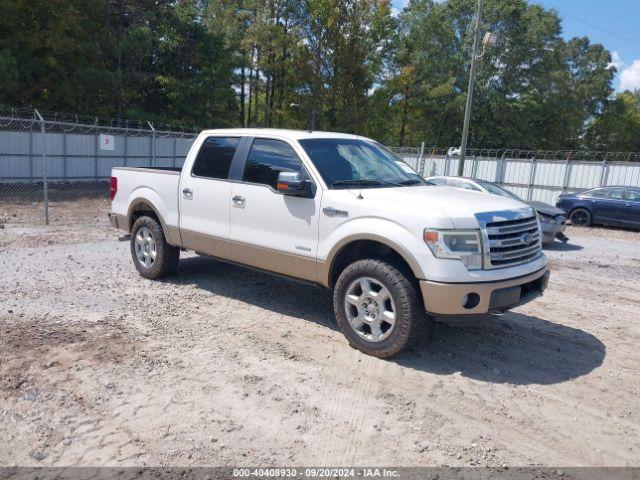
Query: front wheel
580, 217
152, 255
377, 308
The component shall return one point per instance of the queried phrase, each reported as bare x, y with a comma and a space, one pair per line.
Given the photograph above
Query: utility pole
472, 78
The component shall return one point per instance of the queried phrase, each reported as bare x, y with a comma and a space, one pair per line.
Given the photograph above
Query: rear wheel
377, 308
152, 255
580, 217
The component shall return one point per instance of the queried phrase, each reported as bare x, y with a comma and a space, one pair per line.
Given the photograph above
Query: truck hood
459, 205
546, 209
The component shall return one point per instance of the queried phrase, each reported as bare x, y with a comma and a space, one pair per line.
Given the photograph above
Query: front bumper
482, 297
551, 230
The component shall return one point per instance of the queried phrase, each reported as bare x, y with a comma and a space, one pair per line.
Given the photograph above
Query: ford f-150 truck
336, 210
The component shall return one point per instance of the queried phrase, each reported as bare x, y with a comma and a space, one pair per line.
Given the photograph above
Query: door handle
187, 193
238, 201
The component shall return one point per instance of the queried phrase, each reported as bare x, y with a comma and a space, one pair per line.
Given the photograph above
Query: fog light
470, 300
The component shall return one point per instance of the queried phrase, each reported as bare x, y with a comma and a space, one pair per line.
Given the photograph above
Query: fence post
95, 151
126, 141
474, 167
174, 151
446, 164
44, 168
500, 169
153, 145
65, 168
421, 160
603, 172
567, 174
532, 178
31, 155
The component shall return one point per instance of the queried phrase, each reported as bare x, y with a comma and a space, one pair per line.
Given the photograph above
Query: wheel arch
140, 206
369, 245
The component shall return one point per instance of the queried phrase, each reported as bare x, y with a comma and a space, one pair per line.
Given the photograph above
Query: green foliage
533, 90
141, 59
345, 65
618, 128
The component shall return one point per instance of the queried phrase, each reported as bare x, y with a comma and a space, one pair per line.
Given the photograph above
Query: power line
621, 37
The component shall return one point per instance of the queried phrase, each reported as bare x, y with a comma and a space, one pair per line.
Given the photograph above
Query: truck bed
151, 169
157, 185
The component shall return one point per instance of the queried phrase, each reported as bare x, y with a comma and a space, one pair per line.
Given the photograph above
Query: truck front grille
510, 241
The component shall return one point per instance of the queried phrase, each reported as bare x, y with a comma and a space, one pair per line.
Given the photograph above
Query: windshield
351, 162
497, 190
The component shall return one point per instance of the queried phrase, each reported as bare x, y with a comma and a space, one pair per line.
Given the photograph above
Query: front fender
407, 244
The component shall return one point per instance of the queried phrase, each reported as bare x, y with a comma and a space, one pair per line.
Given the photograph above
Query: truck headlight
463, 245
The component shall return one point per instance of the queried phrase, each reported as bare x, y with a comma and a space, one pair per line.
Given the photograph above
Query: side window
633, 195
267, 158
615, 193
597, 193
214, 157
438, 181
465, 185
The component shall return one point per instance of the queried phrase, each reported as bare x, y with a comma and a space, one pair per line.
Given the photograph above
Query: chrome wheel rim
370, 309
145, 246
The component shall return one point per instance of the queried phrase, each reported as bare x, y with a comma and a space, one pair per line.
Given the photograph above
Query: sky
613, 23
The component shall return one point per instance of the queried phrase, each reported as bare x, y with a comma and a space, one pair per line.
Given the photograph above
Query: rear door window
633, 195
215, 157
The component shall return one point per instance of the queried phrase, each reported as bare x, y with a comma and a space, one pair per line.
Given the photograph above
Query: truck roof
281, 132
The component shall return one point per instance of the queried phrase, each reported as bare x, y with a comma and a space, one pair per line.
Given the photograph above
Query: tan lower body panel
296, 266
288, 264
446, 298
208, 244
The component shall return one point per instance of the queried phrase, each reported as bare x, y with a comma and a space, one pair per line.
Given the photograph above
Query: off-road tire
167, 256
411, 323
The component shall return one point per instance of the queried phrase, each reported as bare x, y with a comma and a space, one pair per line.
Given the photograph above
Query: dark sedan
615, 206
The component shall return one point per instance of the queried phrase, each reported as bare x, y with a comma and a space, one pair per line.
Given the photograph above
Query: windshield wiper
362, 182
410, 182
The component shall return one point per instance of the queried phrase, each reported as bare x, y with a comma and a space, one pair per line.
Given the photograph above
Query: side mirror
290, 183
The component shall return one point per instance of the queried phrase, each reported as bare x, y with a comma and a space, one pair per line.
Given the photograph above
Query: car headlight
463, 245
545, 219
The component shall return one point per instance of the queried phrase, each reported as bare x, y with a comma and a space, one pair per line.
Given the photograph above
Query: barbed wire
25, 119
524, 154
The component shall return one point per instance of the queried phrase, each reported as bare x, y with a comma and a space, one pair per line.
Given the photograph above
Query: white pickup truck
337, 210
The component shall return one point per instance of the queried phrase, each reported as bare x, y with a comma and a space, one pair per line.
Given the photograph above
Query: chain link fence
55, 169
539, 175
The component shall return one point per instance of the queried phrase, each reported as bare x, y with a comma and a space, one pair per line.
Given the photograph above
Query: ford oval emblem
527, 238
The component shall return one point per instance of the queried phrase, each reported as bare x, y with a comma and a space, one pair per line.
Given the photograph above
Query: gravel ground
224, 366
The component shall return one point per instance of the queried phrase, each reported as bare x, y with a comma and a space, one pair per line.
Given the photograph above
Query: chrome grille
510, 238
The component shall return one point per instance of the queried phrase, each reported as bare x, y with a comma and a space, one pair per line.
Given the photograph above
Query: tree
618, 128
534, 90
146, 59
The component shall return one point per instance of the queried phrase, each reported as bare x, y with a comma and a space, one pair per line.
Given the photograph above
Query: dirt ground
224, 366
